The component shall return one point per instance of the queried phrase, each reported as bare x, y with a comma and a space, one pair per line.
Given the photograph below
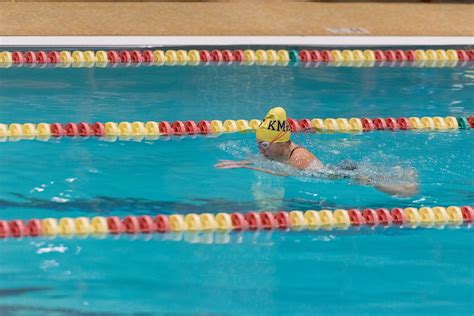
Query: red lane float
367, 124
384, 217
84, 129
125, 57
370, 216
400, 55
162, 223
470, 120
403, 123
268, 220
390, 55
57, 130
356, 217
379, 123
115, 225
470, 53
410, 54
113, 56
239, 222
254, 220
326, 55
178, 128
204, 127
71, 129
462, 55
316, 56
391, 123
165, 128
30, 57
34, 228
136, 56
398, 216
191, 127
4, 229
205, 56
305, 55
239, 55
216, 56
17, 228
227, 56
468, 213
147, 56
41, 57
54, 57
305, 124
18, 58
146, 224
295, 127
98, 129
131, 225
283, 220
379, 55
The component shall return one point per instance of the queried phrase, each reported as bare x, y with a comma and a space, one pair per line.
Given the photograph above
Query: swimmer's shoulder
302, 158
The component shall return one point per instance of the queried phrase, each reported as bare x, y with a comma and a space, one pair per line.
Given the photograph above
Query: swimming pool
366, 270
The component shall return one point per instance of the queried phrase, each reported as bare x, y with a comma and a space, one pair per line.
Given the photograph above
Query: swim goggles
265, 145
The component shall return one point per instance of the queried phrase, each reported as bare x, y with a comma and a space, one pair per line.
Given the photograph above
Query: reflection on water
20, 291
103, 205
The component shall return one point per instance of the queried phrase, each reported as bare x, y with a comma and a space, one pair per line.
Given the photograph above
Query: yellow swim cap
275, 127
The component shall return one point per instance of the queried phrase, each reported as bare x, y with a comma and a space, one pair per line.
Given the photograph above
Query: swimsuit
292, 151
341, 171
345, 170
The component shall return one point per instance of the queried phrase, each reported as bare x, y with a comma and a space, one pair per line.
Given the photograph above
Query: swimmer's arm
244, 162
228, 164
236, 164
402, 190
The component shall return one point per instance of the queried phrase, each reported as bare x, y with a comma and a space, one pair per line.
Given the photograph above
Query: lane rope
262, 57
153, 130
427, 217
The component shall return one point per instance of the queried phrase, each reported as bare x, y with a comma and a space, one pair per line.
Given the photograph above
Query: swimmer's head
273, 134
275, 127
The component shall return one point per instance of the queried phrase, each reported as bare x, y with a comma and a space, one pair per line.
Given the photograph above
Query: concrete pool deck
234, 19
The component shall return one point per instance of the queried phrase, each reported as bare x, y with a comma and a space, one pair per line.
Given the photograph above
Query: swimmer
274, 143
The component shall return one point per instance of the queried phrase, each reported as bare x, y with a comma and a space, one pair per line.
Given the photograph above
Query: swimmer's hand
401, 190
231, 164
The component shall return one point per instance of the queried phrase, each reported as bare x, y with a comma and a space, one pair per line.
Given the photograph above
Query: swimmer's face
271, 150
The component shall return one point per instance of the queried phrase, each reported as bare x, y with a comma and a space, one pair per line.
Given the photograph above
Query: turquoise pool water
366, 271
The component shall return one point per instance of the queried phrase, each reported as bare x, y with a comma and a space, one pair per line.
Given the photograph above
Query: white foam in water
51, 248
382, 168
386, 173
238, 149
47, 264
59, 200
